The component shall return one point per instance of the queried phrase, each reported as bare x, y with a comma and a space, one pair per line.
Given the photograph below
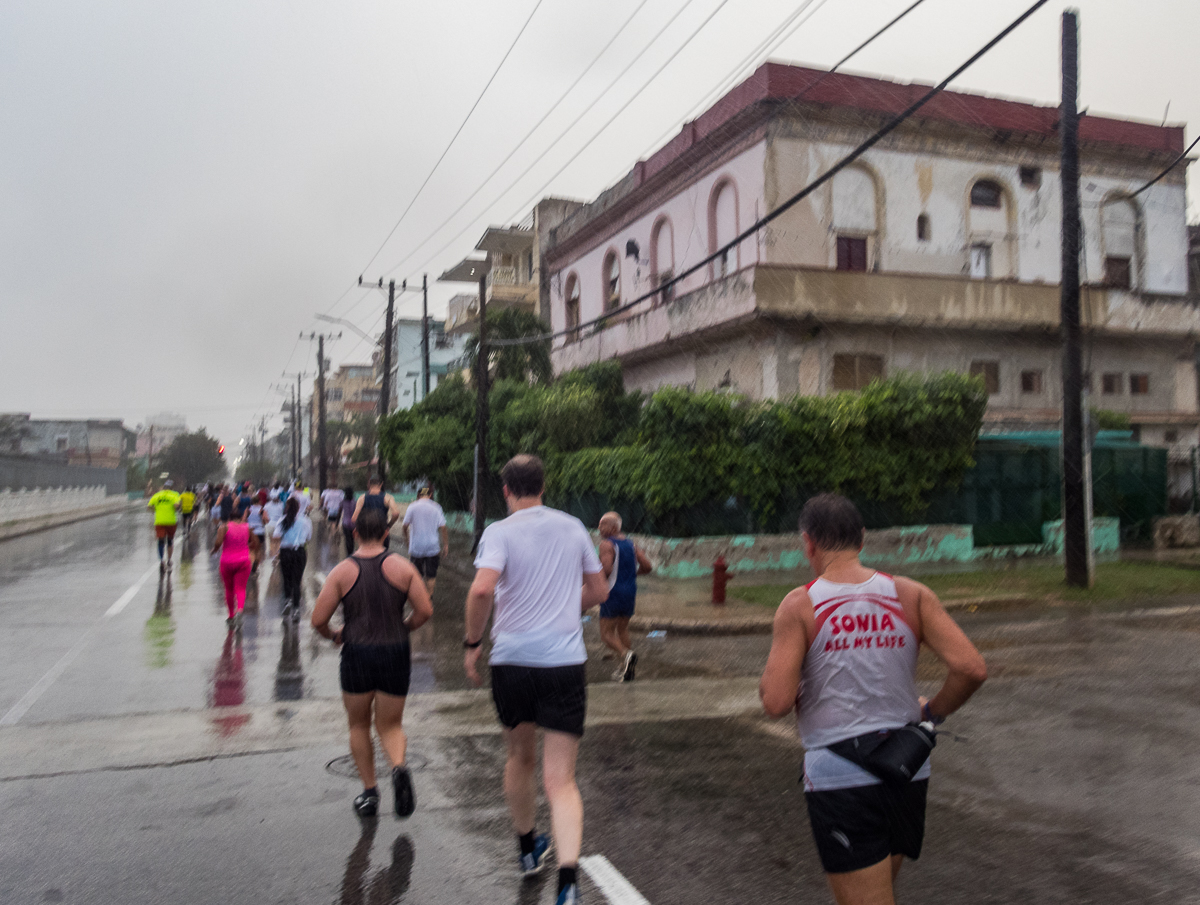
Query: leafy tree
13, 430
192, 458
1111, 421
527, 363
256, 472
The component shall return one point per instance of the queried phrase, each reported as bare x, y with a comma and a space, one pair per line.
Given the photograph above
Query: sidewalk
685, 605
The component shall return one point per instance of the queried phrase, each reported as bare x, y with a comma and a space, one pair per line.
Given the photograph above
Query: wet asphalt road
1078, 781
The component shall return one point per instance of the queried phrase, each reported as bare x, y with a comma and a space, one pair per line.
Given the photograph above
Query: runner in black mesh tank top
372, 587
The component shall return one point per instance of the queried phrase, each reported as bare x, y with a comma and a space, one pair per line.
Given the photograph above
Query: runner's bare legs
559, 752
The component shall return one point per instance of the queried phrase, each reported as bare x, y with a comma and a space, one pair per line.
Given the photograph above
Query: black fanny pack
894, 755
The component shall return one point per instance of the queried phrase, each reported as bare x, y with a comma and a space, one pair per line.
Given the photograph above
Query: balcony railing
502, 276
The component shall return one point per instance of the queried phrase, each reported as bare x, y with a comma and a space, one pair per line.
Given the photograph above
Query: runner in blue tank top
623, 563
375, 498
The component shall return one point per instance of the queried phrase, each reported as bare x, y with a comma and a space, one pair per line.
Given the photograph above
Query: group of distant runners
843, 661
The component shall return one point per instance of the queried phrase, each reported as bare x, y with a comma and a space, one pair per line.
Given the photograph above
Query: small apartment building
937, 250
445, 356
511, 267
351, 390
93, 442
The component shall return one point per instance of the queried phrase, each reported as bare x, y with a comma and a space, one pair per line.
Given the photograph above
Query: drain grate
344, 766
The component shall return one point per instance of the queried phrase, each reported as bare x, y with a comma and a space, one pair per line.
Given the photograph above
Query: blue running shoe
535, 862
569, 896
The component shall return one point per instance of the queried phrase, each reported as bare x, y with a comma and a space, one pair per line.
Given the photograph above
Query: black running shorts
426, 566
376, 667
553, 697
855, 828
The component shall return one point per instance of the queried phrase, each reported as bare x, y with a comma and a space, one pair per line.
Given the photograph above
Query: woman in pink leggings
238, 547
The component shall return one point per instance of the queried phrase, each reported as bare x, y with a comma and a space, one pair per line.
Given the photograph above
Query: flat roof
468, 270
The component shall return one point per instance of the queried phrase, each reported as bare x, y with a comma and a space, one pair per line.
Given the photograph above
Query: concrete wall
18, 505
897, 549
17, 473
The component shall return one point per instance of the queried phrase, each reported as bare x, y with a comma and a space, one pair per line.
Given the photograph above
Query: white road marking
22, 706
615, 887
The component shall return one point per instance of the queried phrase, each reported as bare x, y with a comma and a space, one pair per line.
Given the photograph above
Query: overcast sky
186, 185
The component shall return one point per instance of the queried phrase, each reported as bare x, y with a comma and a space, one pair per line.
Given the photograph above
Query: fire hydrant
720, 579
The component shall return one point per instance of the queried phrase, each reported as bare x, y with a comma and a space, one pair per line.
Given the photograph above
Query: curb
749, 626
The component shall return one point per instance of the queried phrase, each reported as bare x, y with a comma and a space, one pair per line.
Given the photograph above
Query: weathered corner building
939, 249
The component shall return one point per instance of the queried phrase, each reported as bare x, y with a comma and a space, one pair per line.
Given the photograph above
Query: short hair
612, 518
348, 491
375, 481
425, 491
524, 476
832, 522
371, 524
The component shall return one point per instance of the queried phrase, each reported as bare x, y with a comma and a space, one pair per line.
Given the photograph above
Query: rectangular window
1110, 384
1118, 273
1170, 436
853, 372
60, 444
981, 262
923, 228
990, 372
1031, 177
369, 395
1031, 382
851, 253
1139, 384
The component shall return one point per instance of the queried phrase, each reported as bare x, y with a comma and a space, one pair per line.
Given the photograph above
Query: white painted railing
17, 505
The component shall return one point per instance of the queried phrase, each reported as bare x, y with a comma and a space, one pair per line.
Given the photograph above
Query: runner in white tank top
859, 676
843, 658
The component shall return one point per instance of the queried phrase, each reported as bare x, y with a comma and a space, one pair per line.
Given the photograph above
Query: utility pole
262, 440
481, 413
297, 439
385, 394
150, 452
1075, 509
322, 463
424, 336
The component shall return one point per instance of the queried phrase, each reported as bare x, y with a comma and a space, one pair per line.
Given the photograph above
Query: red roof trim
777, 81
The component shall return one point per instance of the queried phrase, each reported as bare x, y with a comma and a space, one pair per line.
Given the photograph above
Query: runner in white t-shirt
427, 536
539, 570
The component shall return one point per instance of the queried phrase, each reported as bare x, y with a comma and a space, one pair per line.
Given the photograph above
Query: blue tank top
374, 501
624, 591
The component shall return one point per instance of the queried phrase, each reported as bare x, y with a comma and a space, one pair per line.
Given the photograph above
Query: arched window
612, 281
1118, 232
723, 227
662, 258
572, 307
991, 246
855, 217
986, 193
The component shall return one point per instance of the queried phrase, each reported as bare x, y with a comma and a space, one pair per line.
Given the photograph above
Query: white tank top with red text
859, 674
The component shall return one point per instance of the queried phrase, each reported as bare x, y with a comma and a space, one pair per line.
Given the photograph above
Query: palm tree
528, 362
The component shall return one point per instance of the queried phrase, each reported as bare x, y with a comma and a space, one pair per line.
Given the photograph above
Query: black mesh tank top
373, 608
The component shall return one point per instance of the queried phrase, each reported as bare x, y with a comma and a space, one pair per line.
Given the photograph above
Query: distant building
350, 390
512, 267
161, 431
445, 356
95, 442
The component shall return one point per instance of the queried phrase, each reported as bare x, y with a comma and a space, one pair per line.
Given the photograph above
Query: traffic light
221, 450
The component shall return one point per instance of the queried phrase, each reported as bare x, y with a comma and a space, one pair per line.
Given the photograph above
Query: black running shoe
406, 800
367, 804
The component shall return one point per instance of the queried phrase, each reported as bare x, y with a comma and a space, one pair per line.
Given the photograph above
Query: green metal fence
1014, 488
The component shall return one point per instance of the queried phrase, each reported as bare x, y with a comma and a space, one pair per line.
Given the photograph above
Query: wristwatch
927, 716
471, 645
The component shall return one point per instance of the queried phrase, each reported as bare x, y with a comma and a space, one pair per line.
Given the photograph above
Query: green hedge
689, 463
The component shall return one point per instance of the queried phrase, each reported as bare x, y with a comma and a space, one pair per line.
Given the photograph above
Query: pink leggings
235, 575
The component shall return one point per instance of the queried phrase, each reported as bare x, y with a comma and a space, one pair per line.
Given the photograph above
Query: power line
575, 121
454, 138
1174, 163
528, 134
732, 76
795, 199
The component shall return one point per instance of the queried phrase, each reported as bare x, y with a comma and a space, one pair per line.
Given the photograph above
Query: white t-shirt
302, 499
331, 499
542, 555
273, 510
297, 536
423, 518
